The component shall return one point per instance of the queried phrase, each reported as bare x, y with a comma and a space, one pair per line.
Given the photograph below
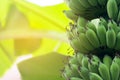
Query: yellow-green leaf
45, 67
44, 18
4, 8
16, 25
47, 19
6, 56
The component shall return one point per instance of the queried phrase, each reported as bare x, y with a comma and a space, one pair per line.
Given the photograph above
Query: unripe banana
114, 26
74, 69
75, 78
73, 60
117, 60
93, 66
75, 7
84, 3
80, 57
107, 60
92, 37
94, 76
81, 21
93, 2
69, 14
70, 35
73, 34
85, 42
95, 58
102, 2
110, 38
104, 22
104, 71
118, 17
112, 9
77, 46
67, 72
81, 29
114, 70
84, 72
101, 32
85, 61
90, 25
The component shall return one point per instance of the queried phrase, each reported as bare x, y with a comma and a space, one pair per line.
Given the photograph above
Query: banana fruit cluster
83, 67
91, 9
97, 47
87, 38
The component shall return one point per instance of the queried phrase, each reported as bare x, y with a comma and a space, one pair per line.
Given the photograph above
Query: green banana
85, 42
70, 35
75, 6
69, 14
74, 69
117, 44
85, 61
67, 72
84, 72
90, 25
95, 58
84, 3
117, 60
107, 60
77, 46
75, 78
114, 70
93, 2
118, 17
103, 22
102, 2
73, 60
92, 37
93, 66
81, 21
80, 29
101, 33
94, 76
114, 26
110, 37
112, 9
104, 71
73, 31
79, 58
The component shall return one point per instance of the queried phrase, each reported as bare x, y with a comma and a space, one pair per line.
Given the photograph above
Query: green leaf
46, 67
36, 29
50, 18
44, 18
8, 47
4, 8
6, 59
16, 28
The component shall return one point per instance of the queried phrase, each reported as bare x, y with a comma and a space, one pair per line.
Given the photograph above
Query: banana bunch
91, 9
87, 38
83, 67
88, 9
97, 47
